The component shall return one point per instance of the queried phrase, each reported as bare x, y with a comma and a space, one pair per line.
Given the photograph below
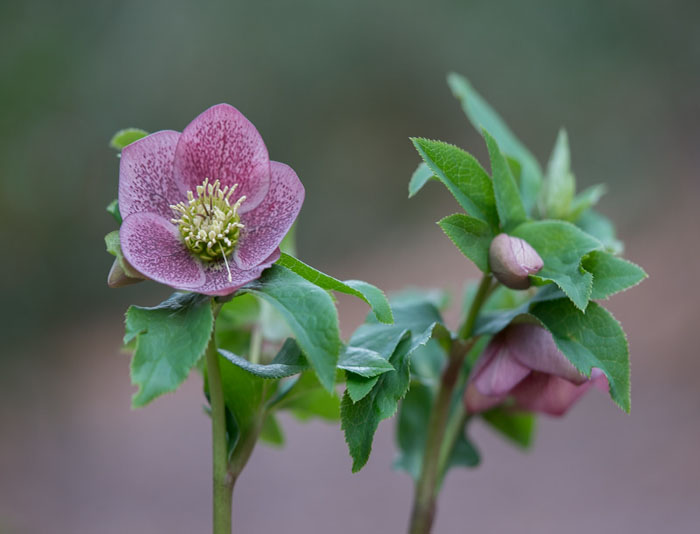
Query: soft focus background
336, 89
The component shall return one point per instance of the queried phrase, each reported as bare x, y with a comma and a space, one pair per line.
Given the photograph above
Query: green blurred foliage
335, 89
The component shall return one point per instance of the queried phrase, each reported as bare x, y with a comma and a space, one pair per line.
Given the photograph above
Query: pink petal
146, 183
496, 372
475, 402
266, 225
151, 244
221, 144
548, 394
217, 282
534, 347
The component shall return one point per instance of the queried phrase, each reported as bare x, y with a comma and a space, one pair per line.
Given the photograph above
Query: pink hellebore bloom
205, 210
523, 362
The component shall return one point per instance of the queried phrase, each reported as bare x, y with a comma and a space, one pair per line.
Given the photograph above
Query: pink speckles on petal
221, 144
217, 282
266, 226
146, 183
151, 244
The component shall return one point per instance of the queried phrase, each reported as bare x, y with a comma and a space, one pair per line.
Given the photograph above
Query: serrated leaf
363, 362
602, 228
419, 178
471, 236
562, 246
125, 137
584, 200
289, 361
509, 204
372, 295
559, 184
310, 313
517, 427
113, 209
359, 420
170, 338
461, 173
591, 339
611, 274
271, 432
483, 116
243, 394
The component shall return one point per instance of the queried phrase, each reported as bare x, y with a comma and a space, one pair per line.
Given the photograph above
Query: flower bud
513, 260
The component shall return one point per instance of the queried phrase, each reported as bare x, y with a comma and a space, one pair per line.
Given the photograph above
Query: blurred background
336, 89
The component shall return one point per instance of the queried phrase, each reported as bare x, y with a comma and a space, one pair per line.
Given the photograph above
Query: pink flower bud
513, 260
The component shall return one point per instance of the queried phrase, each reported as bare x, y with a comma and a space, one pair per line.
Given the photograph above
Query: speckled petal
217, 282
534, 347
496, 372
221, 144
146, 183
544, 393
266, 226
151, 244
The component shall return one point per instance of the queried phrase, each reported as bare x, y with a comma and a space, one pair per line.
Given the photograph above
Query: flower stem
223, 480
426, 491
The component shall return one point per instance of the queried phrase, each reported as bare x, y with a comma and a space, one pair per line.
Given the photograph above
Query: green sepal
483, 116
170, 338
463, 176
113, 209
125, 137
113, 246
310, 314
471, 236
372, 295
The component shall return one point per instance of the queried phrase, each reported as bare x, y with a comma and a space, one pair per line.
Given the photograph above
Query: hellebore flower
205, 210
523, 362
513, 260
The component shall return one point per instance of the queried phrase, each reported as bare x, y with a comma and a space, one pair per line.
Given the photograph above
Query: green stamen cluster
209, 224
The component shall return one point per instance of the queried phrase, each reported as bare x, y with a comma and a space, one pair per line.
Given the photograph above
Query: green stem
223, 480
425, 496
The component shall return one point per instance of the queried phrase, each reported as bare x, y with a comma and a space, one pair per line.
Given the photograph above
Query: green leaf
611, 274
170, 338
585, 200
483, 116
243, 394
471, 236
367, 292
271, 432
591, 339
363, 362
561, 246
310, 313
125, 137
307, 399
511, 211
560, 184
359, 420
113, 209
602, 228
419, 178
289, 361
462, 175
518, 427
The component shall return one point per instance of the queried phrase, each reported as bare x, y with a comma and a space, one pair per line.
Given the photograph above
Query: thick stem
425, 496
223, 480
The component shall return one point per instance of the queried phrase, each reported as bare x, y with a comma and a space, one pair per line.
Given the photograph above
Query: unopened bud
513, 260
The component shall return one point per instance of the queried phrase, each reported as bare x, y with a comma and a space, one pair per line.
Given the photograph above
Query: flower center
209, 224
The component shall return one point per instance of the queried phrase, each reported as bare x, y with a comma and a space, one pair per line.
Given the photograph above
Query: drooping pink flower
205, 210
524, 363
